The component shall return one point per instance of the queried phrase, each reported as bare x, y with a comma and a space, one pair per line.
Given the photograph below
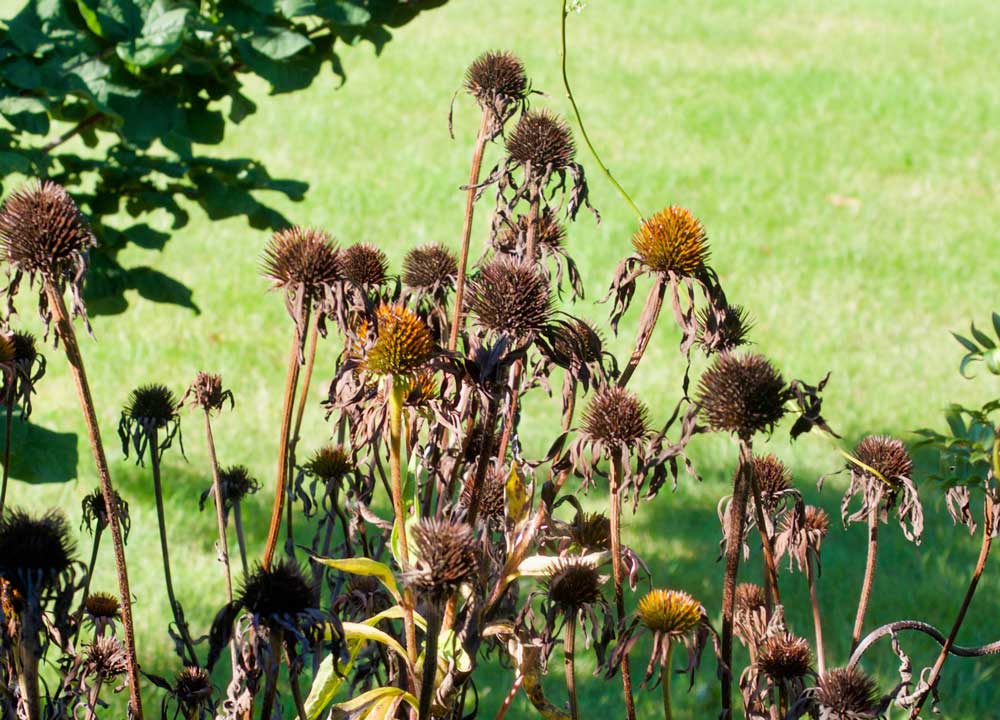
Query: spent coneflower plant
191, 695
22, 366
150, 421
549, 244
847, 694
96, 518
786, 661
429, 276
802, 539
723, 328
236, 483
364, 265
102, 610
44, 236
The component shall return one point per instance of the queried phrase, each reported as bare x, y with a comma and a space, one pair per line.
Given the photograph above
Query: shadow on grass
39, 455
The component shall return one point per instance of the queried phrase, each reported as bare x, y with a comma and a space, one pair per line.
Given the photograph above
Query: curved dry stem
817, 620
770, 564
869, 580
927, 629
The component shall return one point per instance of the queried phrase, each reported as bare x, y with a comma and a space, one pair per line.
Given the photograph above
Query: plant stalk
569, 661
773, 595
616, 565
650, 314
299, 412
9, 402
93, 563
665, 681
240, 537
869, 580
817, 621
220, 517
734, 543
64, 330
29, 652
429, 671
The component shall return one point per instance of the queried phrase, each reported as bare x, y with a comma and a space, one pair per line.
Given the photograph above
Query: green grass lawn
842, 155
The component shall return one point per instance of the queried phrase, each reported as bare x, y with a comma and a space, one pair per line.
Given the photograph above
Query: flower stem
299, 412
64, 330
240, 537
569, 660
817, 621
220, 517
429, 671
869, 580
770, 564
291, 382
734, 543
583, 129
616, 566
470, 205
90, 568
665, 682
9, 402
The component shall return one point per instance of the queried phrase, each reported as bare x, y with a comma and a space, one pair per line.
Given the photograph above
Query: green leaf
28, 114
363, 631
366, 567
410, 522
279, 43
982, 337
360, 706
345, 14
966, 343
992, 360
162, 35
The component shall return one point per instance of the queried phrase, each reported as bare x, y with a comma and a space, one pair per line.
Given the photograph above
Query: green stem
6, 445
583, 129
665, 682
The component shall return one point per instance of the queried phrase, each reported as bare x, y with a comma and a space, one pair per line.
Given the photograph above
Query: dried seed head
573, 584
402, 342
510, 297
206, 392
886, 455
192, 688
7, 349
34, 550
542, 140
847, 694
105, 658
670, 611
302, 260
421, 388
25, 351
447, 556
236, 483
496, 80
331, 463
95, 512
773, 479
430, 267
43, 232
152, 405
672, 241
492, 495
749, 598
364, 264
817, 520
784, 657
549, 235
102, 606
278, 591
724, 329
742, 394
615, 417
591, 531
575, 342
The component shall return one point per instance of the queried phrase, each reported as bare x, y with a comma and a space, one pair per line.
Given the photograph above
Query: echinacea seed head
106, 658
447, 556
429, 267
724, 329
847, 694
403, 343
236, 483
672, 241
25, 350
508, 296
364, 264
742, 394
785, 657
749, 598
886, 455
102, 606
207, 393
591, 531
192, 687
42, 230
153, 405
496, 79
542, 140
330, 463
817, 520
302, 258
549, 234
615, 417
573, 584
34, 548
280, 590
672, 612
492, 495
772, 477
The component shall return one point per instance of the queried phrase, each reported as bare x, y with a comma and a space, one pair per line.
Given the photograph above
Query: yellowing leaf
516, 496
364, 566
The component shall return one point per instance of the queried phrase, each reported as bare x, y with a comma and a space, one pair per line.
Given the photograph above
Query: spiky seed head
670, 611
817, 520
280, 590
510, 297
549, 234
42, 230
192, 687
403, 343
152, 404
7, 349
496, 79
672, 240
615, 417
576, 342
573, 584
206, 391
847, 694
725, 331
236, 483
887, 455
330, 463
95, 511
301, 257
421, 388
106, 658
492, 495
364, 264
447, 556
104, 606
34, 548
749, 598
773, 478
742, 394
25, 350
591, 531
543, 140
430, 266
784, 657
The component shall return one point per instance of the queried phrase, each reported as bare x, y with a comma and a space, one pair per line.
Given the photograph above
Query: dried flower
95, 512
887, 456
492, 495
498, 83
591, 531
672, 241
847, 694
207, 393
305, 263
150, 411
784, 657
671, 612
541, 141
615, 417
236, 483
510, 297
573, 584
549, 236
799, 539
276, 592
403, 344
330, 463
364, 264
35, 552
102, 610
890, 486
192, 691
105, 659
742, 394
723, 328
24, 367
431, 269
446, 557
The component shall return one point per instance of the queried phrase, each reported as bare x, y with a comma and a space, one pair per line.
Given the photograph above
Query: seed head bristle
887, 455
152, 404
492, 495
573, 584
742, 394
364, 264
430, 267
95, 511
785, 657
34, 549
403, 343
772, 477
102, 605
749, 598
723, 330
25, 350
106, 658
615, 417
542, 140
549, 234
236, 483
192, 687
301, 257
847, 694
510, 297
496, 79
817, 520
591, 531
670, 611
330, 463
207, 393
281, 590
672, 240
447, 556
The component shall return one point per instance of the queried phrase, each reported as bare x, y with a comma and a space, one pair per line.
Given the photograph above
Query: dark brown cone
847, 694
672, 240
95, 512
742, 394
447, 556
236, 483
615, 417
103, 606
154, 404
591, 531
305, 257
549, 235
496, 79
25, 350
723, 332
34, 549
492, 495
192, 688
784, 657
510, 297
430, 267
542, 140
42, 231
573, 584
207, 393
574, 343
106, 657
281, 590
773, 478
364, 264
886, 455
330, 462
